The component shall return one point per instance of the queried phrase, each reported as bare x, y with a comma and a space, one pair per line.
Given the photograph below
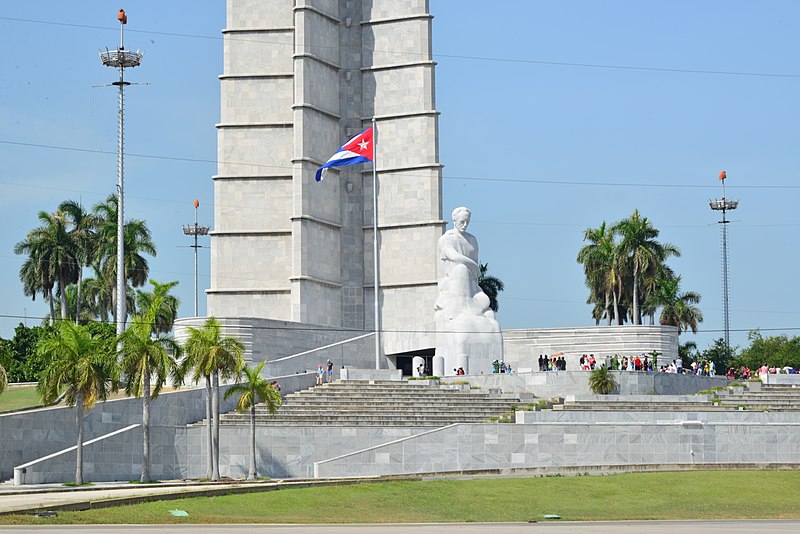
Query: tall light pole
195, 230
121, 59
725, 205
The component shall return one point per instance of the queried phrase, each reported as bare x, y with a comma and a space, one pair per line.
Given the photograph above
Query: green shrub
602, 382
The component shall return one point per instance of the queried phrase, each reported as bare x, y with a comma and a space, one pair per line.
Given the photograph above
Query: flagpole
375, 244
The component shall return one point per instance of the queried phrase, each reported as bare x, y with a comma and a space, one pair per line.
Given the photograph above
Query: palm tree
168, 310
640, 251
35, 275
79, 362
678, 309
598, 258
213, 356
3, 379
602, 382
491, 286
253, 390
147, 360
84, 240
52, 254
136, 241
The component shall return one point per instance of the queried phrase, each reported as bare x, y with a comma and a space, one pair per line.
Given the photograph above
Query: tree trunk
52, 307
215, 425
78, 305
608, 308
146, 429
252, 474
616, 307
79, 451
210, 444
636, 319
62, 286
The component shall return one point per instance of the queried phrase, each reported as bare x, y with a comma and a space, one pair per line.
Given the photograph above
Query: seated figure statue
467, 334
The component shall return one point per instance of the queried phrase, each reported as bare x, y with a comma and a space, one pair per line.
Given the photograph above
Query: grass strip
18, 397
628, 496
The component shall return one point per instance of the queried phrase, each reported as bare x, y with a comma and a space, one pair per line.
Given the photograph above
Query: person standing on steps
320, 374
330, 371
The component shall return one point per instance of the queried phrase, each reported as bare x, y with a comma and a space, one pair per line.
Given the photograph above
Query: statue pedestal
471, 342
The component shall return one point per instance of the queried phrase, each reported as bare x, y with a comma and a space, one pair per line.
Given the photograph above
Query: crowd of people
615, 362
499, 366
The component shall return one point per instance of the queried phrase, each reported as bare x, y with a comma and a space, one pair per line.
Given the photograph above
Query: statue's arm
448, 252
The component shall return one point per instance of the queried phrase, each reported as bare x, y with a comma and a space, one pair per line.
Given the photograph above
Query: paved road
633, 527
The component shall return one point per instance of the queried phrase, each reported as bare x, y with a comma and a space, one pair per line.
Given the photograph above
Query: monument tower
300, 78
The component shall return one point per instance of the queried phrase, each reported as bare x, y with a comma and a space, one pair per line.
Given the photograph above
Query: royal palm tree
35, 275
253, 390
84, 239
147, 359
213, 356
640, 251
82, 364
649, 287
52, 252
678, 309
136, 241
491, 286
167, 311
597, 258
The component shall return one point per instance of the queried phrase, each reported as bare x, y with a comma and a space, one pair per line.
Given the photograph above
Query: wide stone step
371, 400
399, 397
363, 419
350, 405
646, 408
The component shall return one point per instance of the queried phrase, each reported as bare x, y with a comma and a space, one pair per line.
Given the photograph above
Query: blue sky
555, 117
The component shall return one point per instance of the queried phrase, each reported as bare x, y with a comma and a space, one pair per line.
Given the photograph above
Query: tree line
628, 277
72, 239
81, 357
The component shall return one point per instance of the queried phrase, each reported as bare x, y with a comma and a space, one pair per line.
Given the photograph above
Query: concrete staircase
381, 403
773, 398
770, 398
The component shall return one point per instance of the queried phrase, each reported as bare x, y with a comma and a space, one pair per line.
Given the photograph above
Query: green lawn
16, 397
632, 496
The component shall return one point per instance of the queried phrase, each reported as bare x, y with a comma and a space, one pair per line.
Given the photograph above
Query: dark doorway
404, 361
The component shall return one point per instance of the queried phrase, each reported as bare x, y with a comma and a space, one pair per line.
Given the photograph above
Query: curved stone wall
523, 347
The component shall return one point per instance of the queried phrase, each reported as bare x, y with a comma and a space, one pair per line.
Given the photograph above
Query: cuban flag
359, 149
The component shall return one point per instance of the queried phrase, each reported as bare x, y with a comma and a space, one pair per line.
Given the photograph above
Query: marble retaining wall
553, 384
523, 347
180, 452
30, 435
25, 436
465, 447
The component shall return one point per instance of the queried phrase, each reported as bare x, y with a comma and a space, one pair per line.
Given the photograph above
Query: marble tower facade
301, 77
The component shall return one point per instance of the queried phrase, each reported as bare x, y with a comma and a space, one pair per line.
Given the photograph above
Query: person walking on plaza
330, 371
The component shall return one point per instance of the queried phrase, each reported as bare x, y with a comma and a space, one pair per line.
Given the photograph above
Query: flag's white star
363, 144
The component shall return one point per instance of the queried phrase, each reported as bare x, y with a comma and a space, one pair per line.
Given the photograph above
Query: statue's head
461, 217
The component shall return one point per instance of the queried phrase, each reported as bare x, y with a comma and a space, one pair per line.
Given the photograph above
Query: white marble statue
467, 334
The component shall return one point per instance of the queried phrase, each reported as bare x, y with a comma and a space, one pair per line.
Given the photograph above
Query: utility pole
195, 230
121, 59
725, 205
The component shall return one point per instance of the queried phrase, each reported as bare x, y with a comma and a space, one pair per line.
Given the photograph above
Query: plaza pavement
30, 498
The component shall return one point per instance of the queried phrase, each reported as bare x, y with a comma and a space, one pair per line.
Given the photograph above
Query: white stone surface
297, 82
523, 347
467, 334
